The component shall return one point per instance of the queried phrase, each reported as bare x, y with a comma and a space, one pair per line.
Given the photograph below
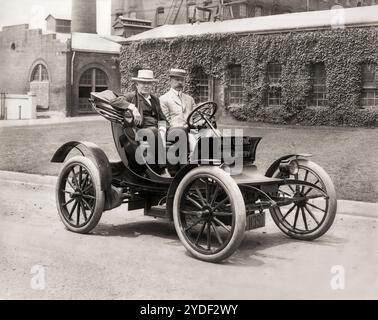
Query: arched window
39, 73
92, 80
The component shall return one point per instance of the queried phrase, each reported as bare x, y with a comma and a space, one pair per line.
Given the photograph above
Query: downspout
72, 82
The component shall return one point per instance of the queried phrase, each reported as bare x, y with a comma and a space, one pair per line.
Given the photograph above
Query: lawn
349, 155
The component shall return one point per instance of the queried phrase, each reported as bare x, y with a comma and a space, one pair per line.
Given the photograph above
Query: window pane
86, 78
236, 84
101, 79
318, 96
369, 98
35, 73
202, 84
44, 74
369, 75
274, 72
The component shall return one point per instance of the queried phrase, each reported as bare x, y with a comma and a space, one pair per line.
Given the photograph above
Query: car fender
173, 186
275, 165
92, 151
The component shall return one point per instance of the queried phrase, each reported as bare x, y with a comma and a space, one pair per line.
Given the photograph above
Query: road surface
129, 256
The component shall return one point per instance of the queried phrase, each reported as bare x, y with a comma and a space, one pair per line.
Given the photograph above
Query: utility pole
307, 5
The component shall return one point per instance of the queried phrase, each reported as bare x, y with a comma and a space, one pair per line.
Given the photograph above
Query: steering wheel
203, 116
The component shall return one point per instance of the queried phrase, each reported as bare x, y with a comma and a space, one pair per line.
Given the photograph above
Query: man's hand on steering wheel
203, 117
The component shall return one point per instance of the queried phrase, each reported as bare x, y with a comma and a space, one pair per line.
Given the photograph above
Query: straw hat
145, 76
180, 73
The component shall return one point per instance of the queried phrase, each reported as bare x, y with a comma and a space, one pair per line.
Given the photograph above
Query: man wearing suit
177, 105
145, 108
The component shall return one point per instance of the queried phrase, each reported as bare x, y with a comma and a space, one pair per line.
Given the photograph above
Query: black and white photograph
210, 151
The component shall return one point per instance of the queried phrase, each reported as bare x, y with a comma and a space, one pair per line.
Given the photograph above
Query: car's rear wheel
79, 198
313, 209
209, 214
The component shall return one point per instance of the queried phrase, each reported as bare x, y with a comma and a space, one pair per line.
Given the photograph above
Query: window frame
274, 77
369, 87
318, 96
235, 91
43, 74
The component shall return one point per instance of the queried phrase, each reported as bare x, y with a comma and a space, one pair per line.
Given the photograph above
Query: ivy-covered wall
343, 51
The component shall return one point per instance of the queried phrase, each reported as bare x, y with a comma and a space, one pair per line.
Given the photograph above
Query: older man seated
146, 110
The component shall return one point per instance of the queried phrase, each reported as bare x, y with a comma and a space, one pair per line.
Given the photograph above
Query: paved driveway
129, 256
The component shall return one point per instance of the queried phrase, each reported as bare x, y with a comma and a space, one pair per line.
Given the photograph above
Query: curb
347, 207
41, 122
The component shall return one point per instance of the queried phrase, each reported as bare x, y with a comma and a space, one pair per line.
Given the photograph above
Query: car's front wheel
209, 214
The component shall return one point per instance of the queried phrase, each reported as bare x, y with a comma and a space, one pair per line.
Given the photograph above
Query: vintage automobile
211, 208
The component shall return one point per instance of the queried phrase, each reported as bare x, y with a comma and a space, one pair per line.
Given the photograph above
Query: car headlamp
289, 167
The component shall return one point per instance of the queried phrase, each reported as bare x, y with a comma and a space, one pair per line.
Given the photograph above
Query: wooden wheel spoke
193, 225
221, 224
200, 195
68, 202
208, 236
296, 218
217, 233
88, 187
215, 195
287, 213
74, 176
316, 207
291, 188
69, 192
312, 215
194, 202
78, 214
72, 210
222, 213
84, 183
70, 183
88, 205
286, 193
220, 203
87, 196
305, 179
200, 233
316, 196
80, 176
304, 218
84, 212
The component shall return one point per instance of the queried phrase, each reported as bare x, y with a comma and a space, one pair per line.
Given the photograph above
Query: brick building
308, 67
61, 65
159, 12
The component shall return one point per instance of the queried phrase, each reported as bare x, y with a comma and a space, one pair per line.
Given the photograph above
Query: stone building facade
61, 68
33, 61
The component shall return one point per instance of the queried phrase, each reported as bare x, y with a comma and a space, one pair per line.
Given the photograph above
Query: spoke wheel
209, 214
80, 200
311, 211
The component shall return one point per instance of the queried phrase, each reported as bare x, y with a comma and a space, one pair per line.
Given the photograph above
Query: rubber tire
332, 205
100, 195
236, 199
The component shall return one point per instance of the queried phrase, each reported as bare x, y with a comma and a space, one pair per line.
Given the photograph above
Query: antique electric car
211, 208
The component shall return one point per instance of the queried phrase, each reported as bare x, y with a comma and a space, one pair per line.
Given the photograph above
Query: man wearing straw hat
177, 105
145, 107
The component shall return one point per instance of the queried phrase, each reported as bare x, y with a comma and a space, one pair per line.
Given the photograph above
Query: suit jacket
176, 110
141, 104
